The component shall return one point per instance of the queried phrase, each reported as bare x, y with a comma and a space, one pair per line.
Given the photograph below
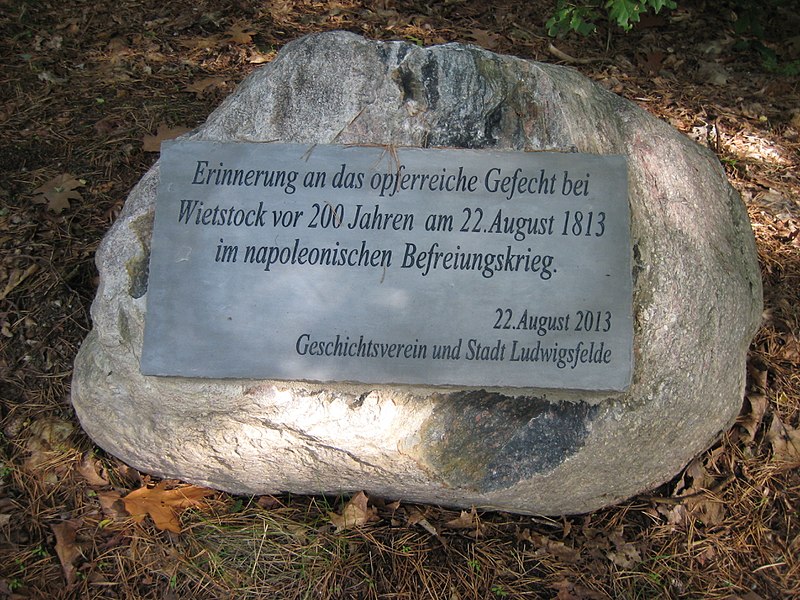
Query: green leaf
657, 5
581, 16
624, 12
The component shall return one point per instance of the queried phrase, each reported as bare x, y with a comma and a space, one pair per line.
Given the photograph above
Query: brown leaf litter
58, 191
163, 505
355, 513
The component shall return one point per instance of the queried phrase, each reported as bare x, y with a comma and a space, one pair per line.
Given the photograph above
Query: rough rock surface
697, 303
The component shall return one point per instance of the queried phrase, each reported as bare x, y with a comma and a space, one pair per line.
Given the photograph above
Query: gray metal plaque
392, 266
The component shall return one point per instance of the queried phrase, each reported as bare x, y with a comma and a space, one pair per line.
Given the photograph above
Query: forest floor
87, 92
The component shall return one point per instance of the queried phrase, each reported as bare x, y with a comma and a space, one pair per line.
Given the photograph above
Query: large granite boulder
696, 299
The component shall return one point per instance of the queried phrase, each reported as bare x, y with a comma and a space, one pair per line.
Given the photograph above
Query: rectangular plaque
393, 266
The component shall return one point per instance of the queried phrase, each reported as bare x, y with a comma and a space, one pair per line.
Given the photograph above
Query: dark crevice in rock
406, 79
124, 327
139, 271
637, 266
487, 442
493, 126
139, 266
394, 52
411, 87
357, 401
430, 79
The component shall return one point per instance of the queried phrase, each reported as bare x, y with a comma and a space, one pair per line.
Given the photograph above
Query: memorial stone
361, 252
273, 293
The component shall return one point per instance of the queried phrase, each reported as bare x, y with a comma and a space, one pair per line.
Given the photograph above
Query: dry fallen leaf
467, 520
201, 86
268, 502
152, 143
130, 476
355, 513
15, 278
697, 501
677, 516
199, 43
57, 192
485, 38
162, 504
239, 33
108, 125
785, 440
751, 419
625, 554
66, 548
279, 9
88, 470
653, 61
758, 376
574, 591
7, 508
708, 510
791, 348
46, 446
556, 548
112, 505
256, 58
417, 517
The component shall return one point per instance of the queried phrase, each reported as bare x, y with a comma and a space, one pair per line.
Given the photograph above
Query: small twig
13, 284
680, 499
528, 31
308, 152
353, 120
561, 55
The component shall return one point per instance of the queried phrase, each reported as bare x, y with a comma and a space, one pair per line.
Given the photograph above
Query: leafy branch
582, 16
